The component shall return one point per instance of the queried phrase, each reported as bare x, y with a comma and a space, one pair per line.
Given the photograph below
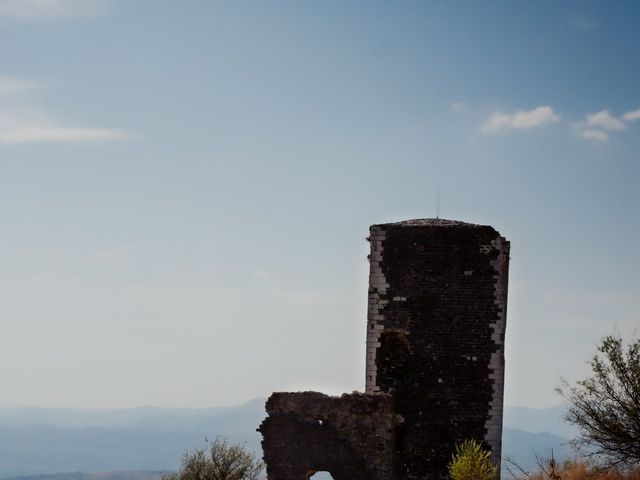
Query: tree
472, 462
218, 460
606, 406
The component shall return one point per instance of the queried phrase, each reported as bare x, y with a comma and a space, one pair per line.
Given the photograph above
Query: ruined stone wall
435, 336
351, 436
434, 363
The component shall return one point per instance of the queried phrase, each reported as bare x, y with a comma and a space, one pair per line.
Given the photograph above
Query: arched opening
321, 476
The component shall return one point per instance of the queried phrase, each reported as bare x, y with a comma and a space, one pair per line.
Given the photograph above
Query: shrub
472, 462
606, 405
218, 460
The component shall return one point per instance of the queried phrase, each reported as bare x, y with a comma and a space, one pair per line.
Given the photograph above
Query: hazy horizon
178, 407
49, 442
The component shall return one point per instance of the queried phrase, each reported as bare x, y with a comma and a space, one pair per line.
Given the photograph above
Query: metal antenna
438, 205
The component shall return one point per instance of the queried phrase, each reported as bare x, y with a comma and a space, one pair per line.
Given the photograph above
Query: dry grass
579, 470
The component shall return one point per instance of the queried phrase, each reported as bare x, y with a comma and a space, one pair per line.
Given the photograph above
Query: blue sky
185, 187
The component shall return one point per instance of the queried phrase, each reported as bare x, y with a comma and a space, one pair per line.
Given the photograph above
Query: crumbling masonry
435, 363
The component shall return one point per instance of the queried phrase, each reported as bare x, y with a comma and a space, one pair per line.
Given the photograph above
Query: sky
186, 187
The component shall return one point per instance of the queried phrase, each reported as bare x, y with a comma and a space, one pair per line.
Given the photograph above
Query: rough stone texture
434, 368
351, 436
437, 305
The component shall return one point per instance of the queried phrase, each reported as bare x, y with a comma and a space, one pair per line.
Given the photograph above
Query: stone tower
435, 335
434, 364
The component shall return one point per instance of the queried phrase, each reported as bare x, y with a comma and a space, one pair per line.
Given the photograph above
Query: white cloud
604, 119
520, 120
597, 136
597, 124
42, 9
632, 116
19, 129
16, 86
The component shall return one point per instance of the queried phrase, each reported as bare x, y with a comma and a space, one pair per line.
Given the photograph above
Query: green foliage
606, 405
218, 460
472, 462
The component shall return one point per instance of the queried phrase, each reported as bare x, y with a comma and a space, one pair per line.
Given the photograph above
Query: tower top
431, 222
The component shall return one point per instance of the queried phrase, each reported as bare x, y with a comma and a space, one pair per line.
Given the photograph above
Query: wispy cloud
604, 119
632, 116
49, 9
520, 120
23, 121
597, 136
15, 129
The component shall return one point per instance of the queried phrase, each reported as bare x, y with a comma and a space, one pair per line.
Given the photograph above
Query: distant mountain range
539, 420
141, 443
